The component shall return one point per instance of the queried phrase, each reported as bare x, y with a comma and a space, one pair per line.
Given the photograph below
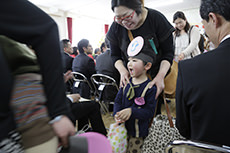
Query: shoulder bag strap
168, 112
130, 35
189, 37
189, 34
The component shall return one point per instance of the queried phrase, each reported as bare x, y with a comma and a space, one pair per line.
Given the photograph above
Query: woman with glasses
132, 19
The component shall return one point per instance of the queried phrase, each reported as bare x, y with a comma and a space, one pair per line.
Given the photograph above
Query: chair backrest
79, 77
185, 146
105, 90
101, 80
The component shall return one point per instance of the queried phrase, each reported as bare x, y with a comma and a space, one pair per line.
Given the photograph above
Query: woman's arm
166, 61
159, 79
124, 74
194, 40
118, 63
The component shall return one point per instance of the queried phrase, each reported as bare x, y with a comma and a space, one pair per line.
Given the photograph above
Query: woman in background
186, 38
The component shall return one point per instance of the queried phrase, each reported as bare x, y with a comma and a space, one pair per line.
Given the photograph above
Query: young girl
135, 103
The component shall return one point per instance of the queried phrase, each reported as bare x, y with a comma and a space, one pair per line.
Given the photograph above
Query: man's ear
215, 19
148, 66
84, 48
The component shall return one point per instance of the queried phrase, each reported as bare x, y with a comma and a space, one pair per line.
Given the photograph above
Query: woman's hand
159, 79
159, 82
181, 57
124, 80
124, 74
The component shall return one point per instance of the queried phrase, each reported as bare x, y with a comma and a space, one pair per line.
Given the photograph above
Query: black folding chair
188, 146
101, 83
79, 81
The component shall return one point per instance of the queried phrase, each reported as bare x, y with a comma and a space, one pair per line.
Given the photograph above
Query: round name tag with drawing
135, 46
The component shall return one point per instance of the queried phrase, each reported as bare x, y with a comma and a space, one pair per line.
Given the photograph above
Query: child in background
135, 103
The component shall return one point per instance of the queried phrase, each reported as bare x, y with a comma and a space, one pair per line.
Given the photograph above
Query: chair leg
103, 107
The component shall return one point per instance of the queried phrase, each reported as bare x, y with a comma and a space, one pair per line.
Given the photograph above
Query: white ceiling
102, 8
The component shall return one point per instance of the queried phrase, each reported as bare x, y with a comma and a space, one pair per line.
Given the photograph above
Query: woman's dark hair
132, 4
221, 7
181, 15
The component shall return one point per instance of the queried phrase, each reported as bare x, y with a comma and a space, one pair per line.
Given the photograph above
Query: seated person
67, 60
104, 65
85, 65
84, 111
202, 94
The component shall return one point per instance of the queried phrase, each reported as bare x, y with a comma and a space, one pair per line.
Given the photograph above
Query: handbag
170, 81
161, 133
118, 138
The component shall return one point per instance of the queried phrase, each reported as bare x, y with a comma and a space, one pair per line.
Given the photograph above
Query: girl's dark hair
132, 4
181, 15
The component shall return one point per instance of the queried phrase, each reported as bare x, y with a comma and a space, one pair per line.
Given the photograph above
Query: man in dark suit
104, 65
85, 65
67, 51
203, 85
67, 61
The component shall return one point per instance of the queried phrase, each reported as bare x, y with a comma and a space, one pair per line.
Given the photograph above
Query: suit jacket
203, 94
85, 65
67, 61
105, 65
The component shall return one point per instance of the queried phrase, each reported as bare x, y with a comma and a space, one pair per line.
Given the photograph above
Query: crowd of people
40, 101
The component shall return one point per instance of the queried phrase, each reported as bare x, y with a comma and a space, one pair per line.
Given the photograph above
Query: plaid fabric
28, 99
11, 144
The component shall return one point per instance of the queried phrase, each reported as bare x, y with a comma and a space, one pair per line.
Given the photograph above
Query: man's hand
75, 97
68, 75
63, 129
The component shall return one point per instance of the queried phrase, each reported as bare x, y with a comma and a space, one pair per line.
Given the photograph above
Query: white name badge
101, 87
76, 84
